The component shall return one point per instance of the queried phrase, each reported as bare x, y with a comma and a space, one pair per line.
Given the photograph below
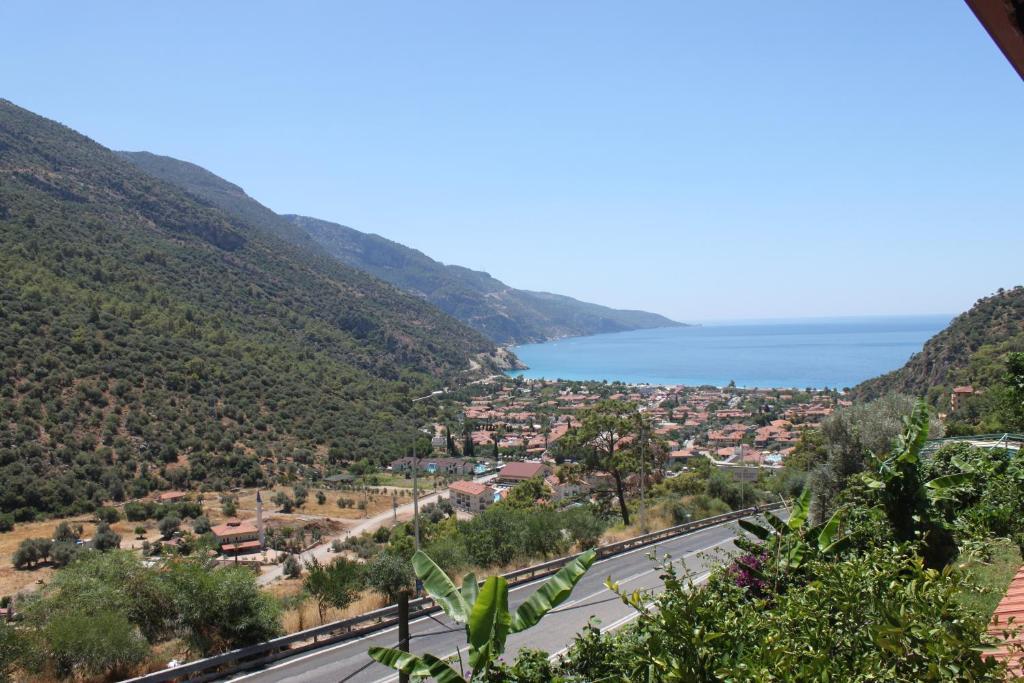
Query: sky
704, 160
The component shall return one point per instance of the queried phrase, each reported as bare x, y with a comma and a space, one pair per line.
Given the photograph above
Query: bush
6, 522
108, 515
201, 525
102, 642
105, 538
292, 567
168, 525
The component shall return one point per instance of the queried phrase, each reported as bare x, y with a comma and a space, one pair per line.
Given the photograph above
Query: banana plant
484, 611
790, 542
909, 503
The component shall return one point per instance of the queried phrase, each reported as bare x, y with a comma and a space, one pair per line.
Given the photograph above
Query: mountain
504, 314
969, 351
149, 338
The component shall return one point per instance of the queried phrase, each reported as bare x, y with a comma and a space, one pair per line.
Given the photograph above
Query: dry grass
247, 504
306, 614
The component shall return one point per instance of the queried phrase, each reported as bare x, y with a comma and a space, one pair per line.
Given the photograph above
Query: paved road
348, 662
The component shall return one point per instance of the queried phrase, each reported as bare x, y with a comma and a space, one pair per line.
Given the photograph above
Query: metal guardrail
279, 648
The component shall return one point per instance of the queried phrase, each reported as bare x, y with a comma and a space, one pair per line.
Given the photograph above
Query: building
236, 536
959, 395
471, 496
171, 497
515, 472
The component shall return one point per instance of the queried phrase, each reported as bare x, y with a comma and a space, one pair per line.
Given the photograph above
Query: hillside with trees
149, 339
506, 315
970, 351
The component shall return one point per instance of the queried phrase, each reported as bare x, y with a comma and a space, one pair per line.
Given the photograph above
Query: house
562, 490
959, 394
470, 496
171, 497
235, 536
515, 472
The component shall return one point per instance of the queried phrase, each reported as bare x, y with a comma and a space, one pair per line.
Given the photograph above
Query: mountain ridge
966, 352
504, 314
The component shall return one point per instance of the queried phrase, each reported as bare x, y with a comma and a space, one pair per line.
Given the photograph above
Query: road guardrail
257, 655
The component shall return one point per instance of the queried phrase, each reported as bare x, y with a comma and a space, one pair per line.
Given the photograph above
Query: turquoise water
835, 353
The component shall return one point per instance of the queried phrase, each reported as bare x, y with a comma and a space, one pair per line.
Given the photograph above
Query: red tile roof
234, 526
1011, 606
522, 470
471, 488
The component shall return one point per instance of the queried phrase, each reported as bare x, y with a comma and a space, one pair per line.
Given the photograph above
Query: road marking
321, 651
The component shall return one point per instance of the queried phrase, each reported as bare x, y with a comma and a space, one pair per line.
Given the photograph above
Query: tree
292, 567
105, 538
108, 515
1013, 402
526, 493
321, 497
603, 428
336, 584
201, 525
390, 575
65, 533
223, 609
30, 552
168, 525
6, 522
229, 506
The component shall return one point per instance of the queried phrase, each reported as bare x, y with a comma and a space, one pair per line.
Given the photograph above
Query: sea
819, 352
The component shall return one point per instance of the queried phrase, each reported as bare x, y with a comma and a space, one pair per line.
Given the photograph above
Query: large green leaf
828, 532
916, 434
950, 481
554, 591
489, 622
420, 667
440, 587
470, 588
801, 508
777, 523
756, 529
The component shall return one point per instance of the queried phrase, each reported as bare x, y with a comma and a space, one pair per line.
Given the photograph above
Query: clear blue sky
704, 160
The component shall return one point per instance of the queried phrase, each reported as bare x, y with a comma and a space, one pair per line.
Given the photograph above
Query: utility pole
415, 495
415, 472
403, 629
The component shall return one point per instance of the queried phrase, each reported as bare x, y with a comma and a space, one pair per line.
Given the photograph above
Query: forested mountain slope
970, 351
148, 338
504, 314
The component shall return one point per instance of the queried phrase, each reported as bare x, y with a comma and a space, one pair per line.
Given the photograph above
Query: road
323, 553
348, 662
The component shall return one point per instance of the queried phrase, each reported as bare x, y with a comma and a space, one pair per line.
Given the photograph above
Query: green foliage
105, 538
888, 618
222, 609
140, 326
389, 574
292, 567
6, 522
907, 499
169, 525
102, 642
333, 585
